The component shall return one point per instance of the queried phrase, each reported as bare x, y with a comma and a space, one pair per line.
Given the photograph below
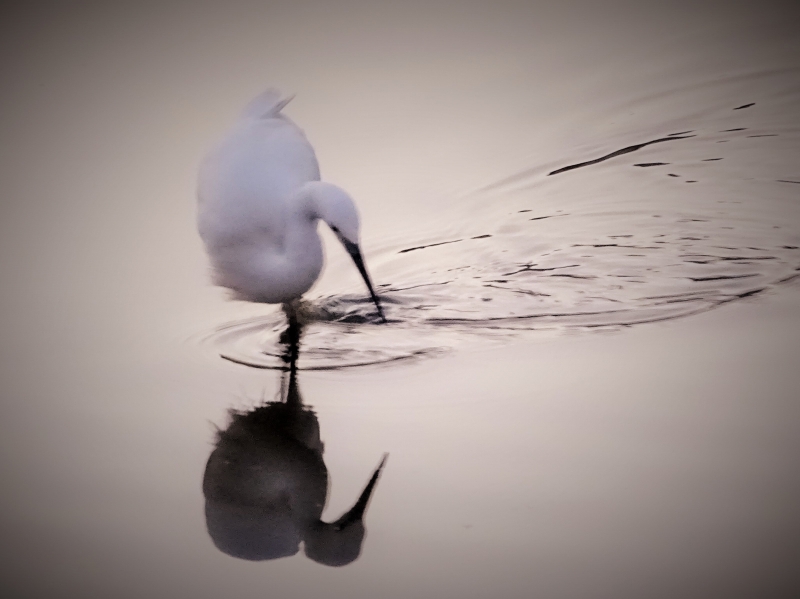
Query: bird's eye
334, 229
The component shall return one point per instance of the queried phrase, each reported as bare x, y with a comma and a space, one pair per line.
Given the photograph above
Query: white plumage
259, 201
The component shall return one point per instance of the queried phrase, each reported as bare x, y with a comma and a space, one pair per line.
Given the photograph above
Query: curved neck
301, 236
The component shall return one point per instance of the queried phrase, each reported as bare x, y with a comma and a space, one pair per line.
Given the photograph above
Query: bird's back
245, 182
244, 186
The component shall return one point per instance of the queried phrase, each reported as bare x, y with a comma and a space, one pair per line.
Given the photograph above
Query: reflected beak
355, 254
356, 513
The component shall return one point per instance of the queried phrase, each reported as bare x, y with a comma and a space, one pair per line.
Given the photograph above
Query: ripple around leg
602, 246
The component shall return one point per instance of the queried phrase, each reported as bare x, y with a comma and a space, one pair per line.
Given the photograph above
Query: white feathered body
258, 228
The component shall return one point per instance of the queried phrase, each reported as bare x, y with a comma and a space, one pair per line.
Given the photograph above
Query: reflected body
259, 201
266, 484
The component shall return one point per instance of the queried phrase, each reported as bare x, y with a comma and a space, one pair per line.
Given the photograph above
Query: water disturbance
695, 226
554, 199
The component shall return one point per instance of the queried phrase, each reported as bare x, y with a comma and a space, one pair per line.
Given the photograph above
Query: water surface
583, 219
702, 225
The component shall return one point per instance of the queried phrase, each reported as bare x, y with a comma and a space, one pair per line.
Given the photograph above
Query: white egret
259, 200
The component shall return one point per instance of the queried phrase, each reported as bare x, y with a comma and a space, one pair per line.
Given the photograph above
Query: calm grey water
583, 219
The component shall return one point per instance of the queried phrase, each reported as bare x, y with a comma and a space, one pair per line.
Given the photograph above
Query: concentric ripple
662, 226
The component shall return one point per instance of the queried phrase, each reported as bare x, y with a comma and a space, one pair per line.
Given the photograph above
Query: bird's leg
290, 337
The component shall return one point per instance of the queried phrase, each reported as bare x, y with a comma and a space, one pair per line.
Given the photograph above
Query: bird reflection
266, 484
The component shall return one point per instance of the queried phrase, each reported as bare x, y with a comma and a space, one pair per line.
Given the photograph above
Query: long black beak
356, 512
355, 254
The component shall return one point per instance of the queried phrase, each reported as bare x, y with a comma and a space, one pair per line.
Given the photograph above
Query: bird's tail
266, 104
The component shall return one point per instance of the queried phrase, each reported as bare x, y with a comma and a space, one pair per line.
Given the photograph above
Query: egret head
339, 543
336, 208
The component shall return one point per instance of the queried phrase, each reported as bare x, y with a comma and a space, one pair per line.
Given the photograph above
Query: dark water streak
625, 150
